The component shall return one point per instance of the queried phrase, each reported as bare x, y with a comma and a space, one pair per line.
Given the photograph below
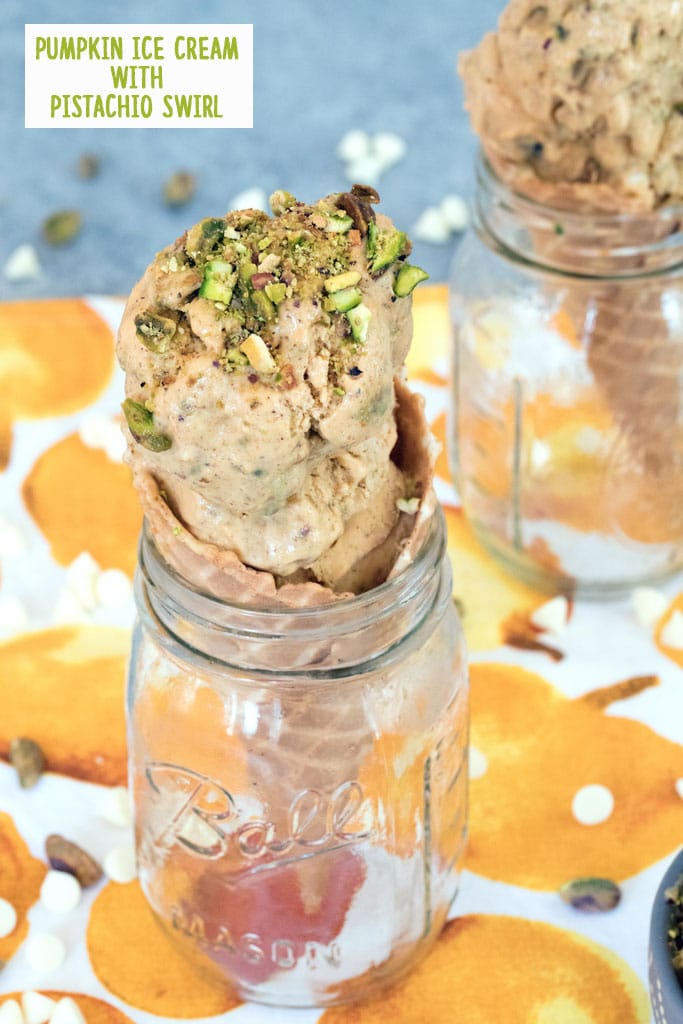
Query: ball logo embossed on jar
202, 816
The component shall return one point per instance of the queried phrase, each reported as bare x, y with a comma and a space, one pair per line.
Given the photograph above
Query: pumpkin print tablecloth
601, 705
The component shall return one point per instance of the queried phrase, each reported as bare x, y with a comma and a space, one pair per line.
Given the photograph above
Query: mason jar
567, 389
299, 778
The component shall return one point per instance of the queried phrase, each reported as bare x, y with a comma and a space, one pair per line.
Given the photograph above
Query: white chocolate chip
479, 763
672, 634
353, 146
80, 579
119, 864
250, 199
10, 1012
431, 227
22, 264
541, 453
589, 440
8, 918
60, 892
366, 170
648, 605
12, 539
13, 614
69, 611
551, 617
45, 952
93, 429
389, 148
592, 804
37, 1007
115, 445
678, 786
113, 588
115, 807
67, 1011
455, 212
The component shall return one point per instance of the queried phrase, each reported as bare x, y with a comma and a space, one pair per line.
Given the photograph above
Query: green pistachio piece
263, 306
592, 895
276, 292
154, 331
407, 279
344, 300
341, 281
281, 201
219, 281
247, 269
205, 238
62, 227
359, 318
141, 425
386, 247
339, 223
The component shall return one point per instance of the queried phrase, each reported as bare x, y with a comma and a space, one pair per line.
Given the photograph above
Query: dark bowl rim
660, 958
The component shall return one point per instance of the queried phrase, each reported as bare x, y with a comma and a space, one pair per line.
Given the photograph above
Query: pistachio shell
591, 895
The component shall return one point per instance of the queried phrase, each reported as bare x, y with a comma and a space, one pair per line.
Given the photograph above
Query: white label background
230, 80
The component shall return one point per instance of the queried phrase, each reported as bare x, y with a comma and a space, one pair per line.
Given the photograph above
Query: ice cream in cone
578, 110
284, 469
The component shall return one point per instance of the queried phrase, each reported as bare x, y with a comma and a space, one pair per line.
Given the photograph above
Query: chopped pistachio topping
140, 422
258, 354
339, 222
281, 201
384, 247
341, 281
219, 281
155, 331
407, 279
359, 319
276, 292
342, 301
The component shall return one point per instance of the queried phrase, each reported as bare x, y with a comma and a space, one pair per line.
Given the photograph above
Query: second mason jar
299, 778
567, 405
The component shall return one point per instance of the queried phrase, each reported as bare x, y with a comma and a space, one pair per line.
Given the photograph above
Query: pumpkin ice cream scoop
260, 355
584, 96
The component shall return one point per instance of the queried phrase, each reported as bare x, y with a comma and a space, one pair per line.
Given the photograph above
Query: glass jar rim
346, 637
577, 243
485, 169
428, 556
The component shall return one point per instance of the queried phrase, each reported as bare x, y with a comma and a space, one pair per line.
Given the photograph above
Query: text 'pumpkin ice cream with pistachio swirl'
263, 358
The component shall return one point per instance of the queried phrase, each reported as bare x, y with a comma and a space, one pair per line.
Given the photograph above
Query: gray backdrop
320, 69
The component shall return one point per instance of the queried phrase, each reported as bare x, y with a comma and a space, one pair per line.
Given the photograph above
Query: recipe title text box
153, 76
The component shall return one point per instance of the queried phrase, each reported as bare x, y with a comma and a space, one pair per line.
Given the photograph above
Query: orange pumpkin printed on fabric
64, 493
537, 750
431, 335
486, 593
21, 876
56, 356
487, 969
136, 961
79, 668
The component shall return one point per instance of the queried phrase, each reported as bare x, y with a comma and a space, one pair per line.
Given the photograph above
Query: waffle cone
635, 361
220, 573
324, 734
